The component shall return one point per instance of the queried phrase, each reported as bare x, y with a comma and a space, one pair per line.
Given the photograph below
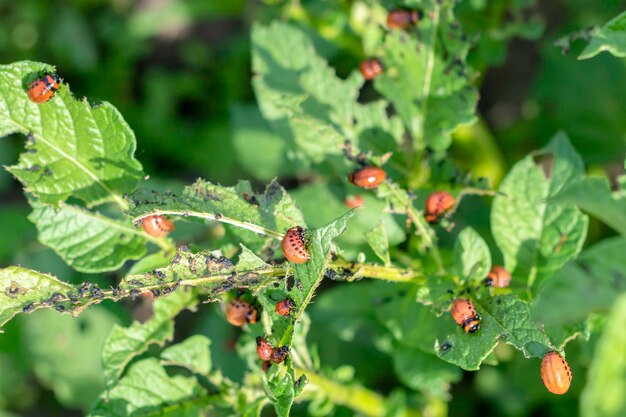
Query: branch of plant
133, 285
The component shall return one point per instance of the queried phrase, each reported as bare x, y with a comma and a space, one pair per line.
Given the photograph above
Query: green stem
356, 397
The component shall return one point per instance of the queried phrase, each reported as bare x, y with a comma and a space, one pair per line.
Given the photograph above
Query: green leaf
503, 318
24, 289
377, 239
426, 80
147, 390
76, 149
125, 343
537, 238
606, 381
64, 353
307, 104
86, 240
248, 261
611, 37
596, 276
192, 353
472, 258
594, 196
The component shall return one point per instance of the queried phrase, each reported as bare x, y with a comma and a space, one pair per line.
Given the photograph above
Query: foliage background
179, 72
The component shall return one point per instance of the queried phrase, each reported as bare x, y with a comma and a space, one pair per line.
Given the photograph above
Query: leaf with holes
23, 290
266, 214
426, 81
74, 148
537, 238
504, 318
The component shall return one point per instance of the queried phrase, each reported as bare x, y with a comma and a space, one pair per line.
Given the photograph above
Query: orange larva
368, 177
555, 373
371, 68
263, 349
284, 307
437, 204
498, 277
402, 19
464, 314
293, 246
239, 312
43, 89
266, 366
157, 226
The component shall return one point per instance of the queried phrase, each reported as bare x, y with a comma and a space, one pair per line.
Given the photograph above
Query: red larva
498, 277
368, 177
371, 68
464, 314
263, 349
293, 246
157, 226
279, 354
402, 19
555, 373
437, 204
284, 307
43, 89
266, 366
239, 312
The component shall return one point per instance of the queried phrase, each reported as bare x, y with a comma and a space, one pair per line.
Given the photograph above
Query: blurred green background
179, 72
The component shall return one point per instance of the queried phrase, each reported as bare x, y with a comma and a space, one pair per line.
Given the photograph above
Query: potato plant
383, 264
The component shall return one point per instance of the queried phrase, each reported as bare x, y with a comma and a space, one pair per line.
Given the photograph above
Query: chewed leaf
269, 214
23, 290
74, 148
88, 241
507, 319
432, 94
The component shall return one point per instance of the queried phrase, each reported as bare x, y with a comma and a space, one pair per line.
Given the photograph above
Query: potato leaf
74, 148
125, 343
86, 240
537, 238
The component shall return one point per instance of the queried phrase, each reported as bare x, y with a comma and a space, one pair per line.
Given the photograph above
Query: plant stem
356, 397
